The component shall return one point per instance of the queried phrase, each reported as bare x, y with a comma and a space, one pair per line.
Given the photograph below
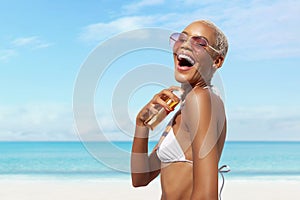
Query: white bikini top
169, 149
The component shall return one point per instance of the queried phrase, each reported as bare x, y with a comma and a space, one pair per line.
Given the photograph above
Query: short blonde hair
221, 42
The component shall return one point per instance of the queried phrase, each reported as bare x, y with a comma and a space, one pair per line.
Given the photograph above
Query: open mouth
185, 60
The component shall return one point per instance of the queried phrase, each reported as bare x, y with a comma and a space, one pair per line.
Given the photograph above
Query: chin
181, 78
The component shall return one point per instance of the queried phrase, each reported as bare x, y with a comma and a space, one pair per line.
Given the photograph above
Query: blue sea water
103, 160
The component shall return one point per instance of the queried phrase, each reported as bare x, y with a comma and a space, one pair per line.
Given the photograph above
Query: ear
219, 61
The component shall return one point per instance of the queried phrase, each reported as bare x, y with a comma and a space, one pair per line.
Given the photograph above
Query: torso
177, 177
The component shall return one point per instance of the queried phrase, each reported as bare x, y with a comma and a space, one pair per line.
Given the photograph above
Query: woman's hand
159, 100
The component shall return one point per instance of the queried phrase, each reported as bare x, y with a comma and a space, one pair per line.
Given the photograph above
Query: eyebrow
184, 32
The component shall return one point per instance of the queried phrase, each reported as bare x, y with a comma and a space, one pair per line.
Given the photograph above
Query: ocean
110, 160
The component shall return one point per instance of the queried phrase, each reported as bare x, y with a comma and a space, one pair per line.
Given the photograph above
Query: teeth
186, 57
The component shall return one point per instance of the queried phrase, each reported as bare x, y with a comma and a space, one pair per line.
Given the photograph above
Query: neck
202, 83
187, 87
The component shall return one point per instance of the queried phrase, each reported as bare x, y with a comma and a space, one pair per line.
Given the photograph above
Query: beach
66, 171
122, 189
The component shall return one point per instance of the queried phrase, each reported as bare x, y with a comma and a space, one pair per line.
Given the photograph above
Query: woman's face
194, 65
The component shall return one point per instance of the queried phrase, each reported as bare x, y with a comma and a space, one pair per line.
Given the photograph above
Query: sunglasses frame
187, 38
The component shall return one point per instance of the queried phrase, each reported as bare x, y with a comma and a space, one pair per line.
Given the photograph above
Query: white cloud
36, 122
100, 31
264, 30
54, 122
6, 54
264, 123
22, 43
33, 42
130, 8
42, 45
256, 29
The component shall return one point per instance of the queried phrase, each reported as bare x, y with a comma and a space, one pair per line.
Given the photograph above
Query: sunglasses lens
199, 41
176, 39
173, 39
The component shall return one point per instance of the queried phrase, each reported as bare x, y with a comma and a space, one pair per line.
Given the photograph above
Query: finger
145, 114
173, 93
163, 97
176, 88
168, 94
164, 104
151, 108
154, 108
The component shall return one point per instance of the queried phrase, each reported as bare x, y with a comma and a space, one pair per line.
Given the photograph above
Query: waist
176, 180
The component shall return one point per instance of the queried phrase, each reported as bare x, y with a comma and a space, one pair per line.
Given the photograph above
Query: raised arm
144, 167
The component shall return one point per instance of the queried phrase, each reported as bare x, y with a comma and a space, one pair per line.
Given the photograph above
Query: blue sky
43, 45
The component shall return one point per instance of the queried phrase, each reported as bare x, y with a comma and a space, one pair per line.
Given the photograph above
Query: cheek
202, 57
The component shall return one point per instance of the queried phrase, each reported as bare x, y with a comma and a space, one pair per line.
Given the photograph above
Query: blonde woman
188, 154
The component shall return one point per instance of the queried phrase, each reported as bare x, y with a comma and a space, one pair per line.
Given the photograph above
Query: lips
185, 62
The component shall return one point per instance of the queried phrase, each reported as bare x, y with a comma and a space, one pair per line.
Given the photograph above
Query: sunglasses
197, 42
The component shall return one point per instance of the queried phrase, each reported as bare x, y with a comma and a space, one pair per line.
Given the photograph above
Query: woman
188, 153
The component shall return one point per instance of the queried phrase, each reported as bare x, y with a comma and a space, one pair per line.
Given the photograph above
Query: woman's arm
198, 116
145, 168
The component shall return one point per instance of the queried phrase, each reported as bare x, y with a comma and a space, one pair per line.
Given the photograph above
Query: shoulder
197, 98
197, 107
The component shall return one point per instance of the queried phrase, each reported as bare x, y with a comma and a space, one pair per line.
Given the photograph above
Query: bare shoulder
197, 103
197, 98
